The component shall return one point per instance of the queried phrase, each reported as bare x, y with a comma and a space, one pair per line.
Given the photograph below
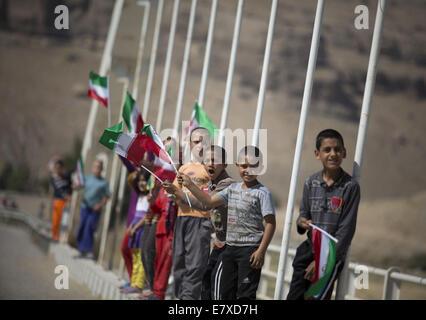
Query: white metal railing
392, 278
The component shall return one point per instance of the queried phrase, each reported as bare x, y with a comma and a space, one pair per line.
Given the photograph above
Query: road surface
28, 273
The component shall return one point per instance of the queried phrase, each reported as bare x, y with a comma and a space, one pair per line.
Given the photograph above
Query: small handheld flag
325, 260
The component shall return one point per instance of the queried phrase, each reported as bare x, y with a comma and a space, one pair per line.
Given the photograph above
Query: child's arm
207, 201
140, 223
258, 257
180, 197
347, 221
304, 218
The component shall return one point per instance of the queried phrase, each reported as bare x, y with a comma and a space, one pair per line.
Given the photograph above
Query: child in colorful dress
135, 231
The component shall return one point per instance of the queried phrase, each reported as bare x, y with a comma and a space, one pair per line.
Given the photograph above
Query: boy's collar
223, 175
337, 182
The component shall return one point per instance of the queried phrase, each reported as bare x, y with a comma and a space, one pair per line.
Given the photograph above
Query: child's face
58, 169
199, 142
244, 169
142, 183
331, 153
97, 168
212, 168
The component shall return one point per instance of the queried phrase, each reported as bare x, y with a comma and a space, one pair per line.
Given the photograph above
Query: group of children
170, 224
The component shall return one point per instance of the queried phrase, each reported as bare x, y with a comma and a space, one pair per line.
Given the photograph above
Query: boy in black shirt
330, 201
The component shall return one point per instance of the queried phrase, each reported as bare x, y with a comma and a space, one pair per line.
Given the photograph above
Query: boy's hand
170, 187
257, 259
304, 223
185, 180
310, 271
97, 207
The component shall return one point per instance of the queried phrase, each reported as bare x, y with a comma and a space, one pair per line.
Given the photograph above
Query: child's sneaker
125, 285
131, 290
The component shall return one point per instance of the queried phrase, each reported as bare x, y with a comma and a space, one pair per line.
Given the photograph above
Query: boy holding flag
329, 203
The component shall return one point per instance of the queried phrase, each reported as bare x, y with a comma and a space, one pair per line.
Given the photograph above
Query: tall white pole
298, 152
104, 67
228, 89
363, 122
185, 62
265, 71
112, 184
152, 59
135, 92
207, 54
166, 74
141, 47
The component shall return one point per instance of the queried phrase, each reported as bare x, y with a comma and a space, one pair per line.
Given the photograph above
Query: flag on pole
164, 170
325, 260
199, 118
131, 115
80, 172
151, 141
98, 89
127, 145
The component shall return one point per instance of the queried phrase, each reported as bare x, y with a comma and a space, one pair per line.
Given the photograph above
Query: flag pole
185, 62
298, 152
104, 67
265, 70
113, 181
206, 64
166, 74
325, 232
363, 124
153, 57
135, 91
142, 166
230, 76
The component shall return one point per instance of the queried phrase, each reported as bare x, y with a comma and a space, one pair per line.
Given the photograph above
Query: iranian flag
151, 141
79, 174
127, 145
99, 89
199, 118
131, 115
164, 170
325, 260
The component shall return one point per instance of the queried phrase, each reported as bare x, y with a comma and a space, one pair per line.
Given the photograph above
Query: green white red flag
152, 142
127, 145
131, 115
325, 260
199, 118
99, 89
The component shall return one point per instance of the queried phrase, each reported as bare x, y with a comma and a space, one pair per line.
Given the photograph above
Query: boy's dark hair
328, 134
251, 152
216, 150
198, 128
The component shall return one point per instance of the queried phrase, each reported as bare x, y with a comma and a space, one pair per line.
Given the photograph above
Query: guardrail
392, 278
